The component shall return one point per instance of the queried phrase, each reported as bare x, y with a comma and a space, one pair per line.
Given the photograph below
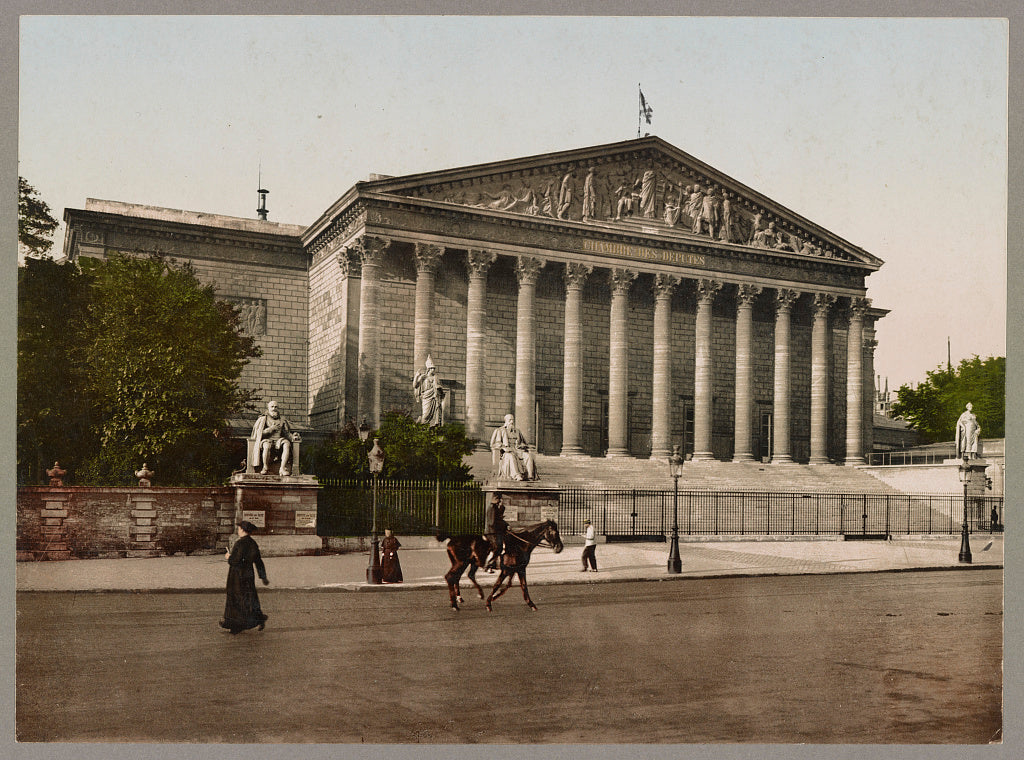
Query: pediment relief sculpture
656, 192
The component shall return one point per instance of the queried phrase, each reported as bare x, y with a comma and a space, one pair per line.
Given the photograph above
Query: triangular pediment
644, 182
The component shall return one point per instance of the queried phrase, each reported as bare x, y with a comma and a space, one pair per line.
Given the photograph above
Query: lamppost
675, 466
376, 460
965, 471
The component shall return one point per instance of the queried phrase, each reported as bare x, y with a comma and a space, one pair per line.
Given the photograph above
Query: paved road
879, 658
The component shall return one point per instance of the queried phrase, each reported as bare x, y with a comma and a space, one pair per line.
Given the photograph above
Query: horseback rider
495, 528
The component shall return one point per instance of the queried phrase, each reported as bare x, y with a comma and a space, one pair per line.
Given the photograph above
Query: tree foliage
934, 405
35, 224
412, 451
156, 362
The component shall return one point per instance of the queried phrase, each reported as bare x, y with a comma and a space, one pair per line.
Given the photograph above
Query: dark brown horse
471, 552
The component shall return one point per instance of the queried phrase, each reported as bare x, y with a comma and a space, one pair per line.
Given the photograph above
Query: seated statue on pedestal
271, 436
510, 453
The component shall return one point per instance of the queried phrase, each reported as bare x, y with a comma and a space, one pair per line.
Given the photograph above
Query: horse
472, 552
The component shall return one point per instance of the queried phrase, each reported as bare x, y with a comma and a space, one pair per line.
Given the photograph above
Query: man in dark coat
242, 607
495, 528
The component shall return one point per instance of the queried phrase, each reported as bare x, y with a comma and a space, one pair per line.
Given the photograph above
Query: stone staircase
628, 473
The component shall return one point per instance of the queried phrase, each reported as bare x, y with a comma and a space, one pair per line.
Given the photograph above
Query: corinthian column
478, 263
527, 271
781, 453
572, 372
661, 387
427, 258
819, 378
371, 253
618, 364
703, 380
855, 383
743, 443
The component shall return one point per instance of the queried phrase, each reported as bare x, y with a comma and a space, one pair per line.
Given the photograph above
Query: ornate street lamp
965, 471
364, 430
376, 457
675, 466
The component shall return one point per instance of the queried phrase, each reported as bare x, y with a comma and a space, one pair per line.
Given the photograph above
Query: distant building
619, 299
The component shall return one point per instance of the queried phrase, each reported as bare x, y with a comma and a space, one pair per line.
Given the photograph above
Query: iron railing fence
411, 508
636, 514
417, 507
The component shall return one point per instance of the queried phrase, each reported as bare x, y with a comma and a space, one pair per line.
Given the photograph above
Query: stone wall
83, 522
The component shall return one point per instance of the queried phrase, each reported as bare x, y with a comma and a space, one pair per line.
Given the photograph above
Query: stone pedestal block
525, 503
52, 543
283, 508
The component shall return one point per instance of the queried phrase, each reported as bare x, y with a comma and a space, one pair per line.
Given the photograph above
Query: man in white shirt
589, 547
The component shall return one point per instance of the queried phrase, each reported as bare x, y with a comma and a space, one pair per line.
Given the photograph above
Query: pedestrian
242, 608
589, 547
390, 567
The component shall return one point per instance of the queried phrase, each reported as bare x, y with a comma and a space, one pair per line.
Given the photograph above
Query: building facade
619, 300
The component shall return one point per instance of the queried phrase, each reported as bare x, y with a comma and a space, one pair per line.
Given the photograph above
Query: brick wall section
100, 521
281, 373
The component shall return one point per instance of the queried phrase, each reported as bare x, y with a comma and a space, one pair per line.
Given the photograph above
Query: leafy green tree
933, 406
54, 410
412, 451
164, 358
35, 224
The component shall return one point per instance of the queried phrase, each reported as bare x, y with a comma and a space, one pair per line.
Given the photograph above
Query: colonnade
527, 268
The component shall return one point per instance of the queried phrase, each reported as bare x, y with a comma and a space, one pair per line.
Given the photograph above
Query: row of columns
371, 250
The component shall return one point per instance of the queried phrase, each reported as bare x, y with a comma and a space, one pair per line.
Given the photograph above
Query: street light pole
965, 472
376, 457
675, 464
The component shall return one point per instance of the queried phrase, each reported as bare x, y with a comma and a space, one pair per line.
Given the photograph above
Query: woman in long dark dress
390, 567
242, 608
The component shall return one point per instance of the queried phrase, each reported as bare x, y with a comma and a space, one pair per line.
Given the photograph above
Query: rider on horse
494, 529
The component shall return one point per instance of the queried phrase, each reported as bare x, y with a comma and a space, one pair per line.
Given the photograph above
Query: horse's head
552, 537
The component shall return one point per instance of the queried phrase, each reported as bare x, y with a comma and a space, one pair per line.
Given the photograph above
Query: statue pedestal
525, 501
283, 509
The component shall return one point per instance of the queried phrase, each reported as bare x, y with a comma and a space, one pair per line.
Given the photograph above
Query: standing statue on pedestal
430, 393
968, 431
271, 433
510, 453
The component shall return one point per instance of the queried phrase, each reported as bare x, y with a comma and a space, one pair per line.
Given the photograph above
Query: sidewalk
616, 562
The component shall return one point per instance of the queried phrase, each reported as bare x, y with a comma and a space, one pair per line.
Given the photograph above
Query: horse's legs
452, 578
472, 576
496, 590
526, 594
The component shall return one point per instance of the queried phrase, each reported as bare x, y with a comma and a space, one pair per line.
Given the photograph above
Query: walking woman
390, 567
242, 608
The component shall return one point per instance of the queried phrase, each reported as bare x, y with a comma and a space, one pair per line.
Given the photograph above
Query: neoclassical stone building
618, 299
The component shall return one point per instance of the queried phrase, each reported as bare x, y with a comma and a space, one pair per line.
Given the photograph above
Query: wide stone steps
626, 472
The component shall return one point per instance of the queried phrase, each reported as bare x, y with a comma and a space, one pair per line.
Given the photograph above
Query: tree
412, 451
164, 358
54, 412
35, 224
934, 406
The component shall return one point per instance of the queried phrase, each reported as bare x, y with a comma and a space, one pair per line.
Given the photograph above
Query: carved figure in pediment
694, 205
503, 201
808, 250
548, 204
459, 198
757, 227
624, 202
648, 193
766, 238
528, 200
710, 213
566, 194
673, 206
725, 233
589, 195
782, 243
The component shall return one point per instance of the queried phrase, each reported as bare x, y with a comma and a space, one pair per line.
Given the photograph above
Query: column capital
427, 256
479, 261
370, 249
576, 274
528, 269
784, 298
344, 263
665, 284
859, 307
621, 280
822, 303
707, 290
748, 293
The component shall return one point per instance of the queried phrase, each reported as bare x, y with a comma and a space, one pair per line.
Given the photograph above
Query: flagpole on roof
646, 112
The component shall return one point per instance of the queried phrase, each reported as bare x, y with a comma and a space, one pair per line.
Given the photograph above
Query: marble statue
968, 431
270, 434
430, 393
511, 454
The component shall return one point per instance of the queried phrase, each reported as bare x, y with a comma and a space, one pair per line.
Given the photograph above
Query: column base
782, 459
820, 460
615, 453
854, 461
743, 457
703, 456
572, 451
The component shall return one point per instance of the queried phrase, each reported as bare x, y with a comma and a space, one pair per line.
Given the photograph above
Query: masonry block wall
108, 522
328, 341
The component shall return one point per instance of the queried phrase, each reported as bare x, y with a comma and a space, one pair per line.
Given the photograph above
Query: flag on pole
645, 108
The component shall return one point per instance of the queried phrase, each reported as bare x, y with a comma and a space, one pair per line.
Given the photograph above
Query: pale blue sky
889, 132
